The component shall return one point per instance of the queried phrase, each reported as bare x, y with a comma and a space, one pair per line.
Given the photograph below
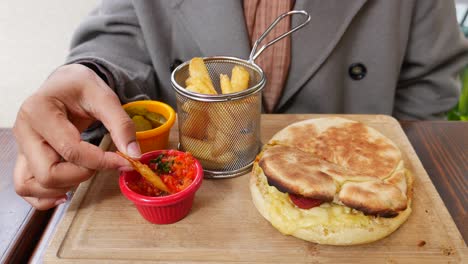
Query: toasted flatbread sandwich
332, 181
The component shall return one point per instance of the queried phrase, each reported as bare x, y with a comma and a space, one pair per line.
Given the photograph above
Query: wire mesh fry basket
223, 131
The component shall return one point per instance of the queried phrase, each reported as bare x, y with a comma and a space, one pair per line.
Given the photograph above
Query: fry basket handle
254, 53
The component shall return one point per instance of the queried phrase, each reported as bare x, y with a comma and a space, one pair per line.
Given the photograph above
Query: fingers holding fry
146, 173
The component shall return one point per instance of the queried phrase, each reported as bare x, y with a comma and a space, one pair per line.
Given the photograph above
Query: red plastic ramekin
165, 209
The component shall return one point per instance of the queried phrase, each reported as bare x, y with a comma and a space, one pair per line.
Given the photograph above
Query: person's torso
346, 60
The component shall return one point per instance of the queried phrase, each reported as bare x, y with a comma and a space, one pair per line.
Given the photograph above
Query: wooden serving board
101, 225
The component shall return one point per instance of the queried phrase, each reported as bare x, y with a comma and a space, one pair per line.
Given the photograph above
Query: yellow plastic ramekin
156, 138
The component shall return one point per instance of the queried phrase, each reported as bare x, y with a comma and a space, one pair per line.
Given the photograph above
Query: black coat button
175, 64
357, 71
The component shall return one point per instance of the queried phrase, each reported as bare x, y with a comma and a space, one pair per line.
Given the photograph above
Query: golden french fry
198, 81
223, 118
194, 125
221, 143
190, 105
199, 86
197, 68
230, 117
196, 119
203, 150
199, 148
239, 79
189, 81
211, 131
224, 158
198, 89
199, 76
230, 142
225, 84
146, 173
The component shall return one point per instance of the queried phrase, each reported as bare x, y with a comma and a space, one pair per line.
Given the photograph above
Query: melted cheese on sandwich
288, 218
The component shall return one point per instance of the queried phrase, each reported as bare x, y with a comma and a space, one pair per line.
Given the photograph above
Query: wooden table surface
442, 147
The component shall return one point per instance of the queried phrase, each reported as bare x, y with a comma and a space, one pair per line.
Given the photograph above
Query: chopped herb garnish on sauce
161, 165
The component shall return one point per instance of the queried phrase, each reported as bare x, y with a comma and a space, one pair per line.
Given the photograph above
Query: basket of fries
219, 104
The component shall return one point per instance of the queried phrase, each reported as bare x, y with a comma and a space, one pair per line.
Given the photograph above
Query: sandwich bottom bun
329, 223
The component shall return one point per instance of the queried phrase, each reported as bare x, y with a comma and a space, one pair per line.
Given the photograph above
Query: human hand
52, 158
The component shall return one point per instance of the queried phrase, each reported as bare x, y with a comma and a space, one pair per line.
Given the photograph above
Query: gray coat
412, 51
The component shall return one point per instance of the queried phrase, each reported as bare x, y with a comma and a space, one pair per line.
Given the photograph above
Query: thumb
104, 105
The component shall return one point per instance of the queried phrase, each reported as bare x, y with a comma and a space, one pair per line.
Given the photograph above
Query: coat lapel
312, 45
217, 26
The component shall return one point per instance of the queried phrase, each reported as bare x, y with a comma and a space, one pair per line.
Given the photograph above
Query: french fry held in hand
146, 173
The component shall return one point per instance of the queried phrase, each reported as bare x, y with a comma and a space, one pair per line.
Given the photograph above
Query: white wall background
34, 40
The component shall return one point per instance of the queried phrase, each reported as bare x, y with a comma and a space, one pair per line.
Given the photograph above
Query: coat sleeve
435, 54
111, 37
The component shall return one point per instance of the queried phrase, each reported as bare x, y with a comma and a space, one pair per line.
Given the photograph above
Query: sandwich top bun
353, 173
